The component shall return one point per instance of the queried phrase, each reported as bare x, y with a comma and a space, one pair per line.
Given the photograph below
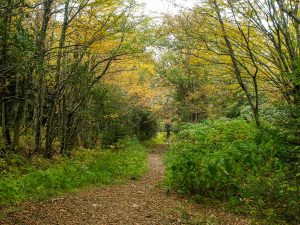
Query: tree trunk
236, 69
4, 32
39, 56
50, 130
63, 126
22, 95
5, 127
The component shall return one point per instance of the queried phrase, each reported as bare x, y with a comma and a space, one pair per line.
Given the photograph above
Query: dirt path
141, 202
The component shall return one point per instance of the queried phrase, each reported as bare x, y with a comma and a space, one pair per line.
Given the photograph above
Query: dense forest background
79, 74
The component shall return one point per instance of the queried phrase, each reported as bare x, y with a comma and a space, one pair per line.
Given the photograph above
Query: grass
160, 138
87, 168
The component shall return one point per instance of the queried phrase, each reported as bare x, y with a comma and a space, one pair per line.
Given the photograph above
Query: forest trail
138, 202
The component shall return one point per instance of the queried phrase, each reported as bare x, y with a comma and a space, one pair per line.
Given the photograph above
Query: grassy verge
86, 168
160, 138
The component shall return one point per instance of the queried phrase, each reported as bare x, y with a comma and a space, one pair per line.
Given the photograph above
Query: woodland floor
138, 202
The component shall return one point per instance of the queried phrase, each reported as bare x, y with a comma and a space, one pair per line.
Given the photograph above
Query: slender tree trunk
63, 126
50, 133
22, 95
236, 69
297, 66
5, 31
38, 114
5, 127
40, 55
70, 134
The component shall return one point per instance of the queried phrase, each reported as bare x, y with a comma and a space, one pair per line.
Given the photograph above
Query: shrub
233, 160
145, 124
109, 118
88, 167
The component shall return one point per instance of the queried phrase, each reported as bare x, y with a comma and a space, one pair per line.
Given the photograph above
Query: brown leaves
139, 202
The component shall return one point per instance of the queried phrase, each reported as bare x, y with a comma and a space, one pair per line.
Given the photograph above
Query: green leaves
232, 159
90, 167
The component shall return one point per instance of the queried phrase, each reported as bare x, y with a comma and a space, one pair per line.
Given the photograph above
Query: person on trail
168, 128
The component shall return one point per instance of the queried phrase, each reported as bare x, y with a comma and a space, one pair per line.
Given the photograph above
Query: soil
138, 202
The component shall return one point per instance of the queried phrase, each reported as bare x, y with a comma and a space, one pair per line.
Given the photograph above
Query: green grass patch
85, 168
160, 138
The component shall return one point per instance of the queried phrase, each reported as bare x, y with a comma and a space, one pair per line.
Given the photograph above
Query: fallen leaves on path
138, 202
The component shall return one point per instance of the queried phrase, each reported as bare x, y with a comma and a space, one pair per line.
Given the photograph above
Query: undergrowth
86, 168
252, 171
160, 138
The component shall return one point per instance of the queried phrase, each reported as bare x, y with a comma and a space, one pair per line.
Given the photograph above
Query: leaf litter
138, 202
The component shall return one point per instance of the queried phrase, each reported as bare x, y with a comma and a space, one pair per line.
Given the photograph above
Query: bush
88, 167
233, 160
139, 123
145, 124
109, 118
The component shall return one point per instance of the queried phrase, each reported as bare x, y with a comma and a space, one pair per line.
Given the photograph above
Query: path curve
141, 202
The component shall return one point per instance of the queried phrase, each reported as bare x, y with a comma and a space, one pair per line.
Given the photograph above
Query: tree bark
5, 127
40, 55
236, 68
4, 75
50, 129
22, 96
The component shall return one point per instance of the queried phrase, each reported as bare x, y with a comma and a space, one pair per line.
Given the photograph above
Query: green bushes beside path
86, 168
252, 170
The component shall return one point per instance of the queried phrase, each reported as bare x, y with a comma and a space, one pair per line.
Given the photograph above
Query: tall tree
278, 21
236, 64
